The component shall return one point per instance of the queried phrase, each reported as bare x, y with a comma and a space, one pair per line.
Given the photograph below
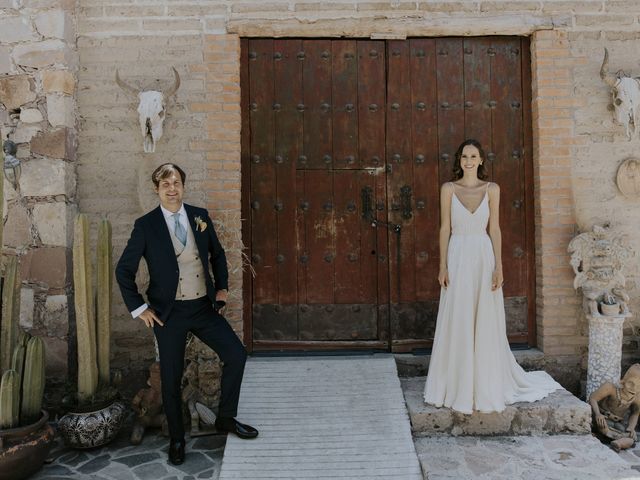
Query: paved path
122, 461
555, 457
323, 418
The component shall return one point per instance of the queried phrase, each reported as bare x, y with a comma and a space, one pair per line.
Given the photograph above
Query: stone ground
543, 457
550, 457
122, 461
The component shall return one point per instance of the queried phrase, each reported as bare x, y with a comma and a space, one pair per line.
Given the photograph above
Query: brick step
560, 412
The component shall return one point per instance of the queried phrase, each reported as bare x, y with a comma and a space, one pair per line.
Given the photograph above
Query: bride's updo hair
457, 169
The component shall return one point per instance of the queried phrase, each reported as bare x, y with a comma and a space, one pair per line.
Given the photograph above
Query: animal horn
127, 88
175, 86
608, 78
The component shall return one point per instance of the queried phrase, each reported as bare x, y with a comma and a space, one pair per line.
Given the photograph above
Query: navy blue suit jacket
151, 239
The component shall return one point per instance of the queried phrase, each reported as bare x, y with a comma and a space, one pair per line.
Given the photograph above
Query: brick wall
577, 147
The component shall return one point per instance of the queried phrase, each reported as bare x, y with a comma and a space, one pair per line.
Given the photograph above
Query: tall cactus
17, 363
103, 303
33, 381
85, 319
9, 399
10, 312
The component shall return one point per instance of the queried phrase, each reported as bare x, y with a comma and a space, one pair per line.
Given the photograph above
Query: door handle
366, 196
405, 202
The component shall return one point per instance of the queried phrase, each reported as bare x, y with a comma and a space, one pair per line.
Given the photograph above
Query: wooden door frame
527, 90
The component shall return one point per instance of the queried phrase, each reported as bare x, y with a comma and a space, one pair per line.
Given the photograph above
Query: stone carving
616, 409
628, 178
147, 404
201, 417
597, 259
625, 91
151, 109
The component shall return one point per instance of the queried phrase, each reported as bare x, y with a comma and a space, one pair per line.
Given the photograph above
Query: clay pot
24, 449
92, 428
610, 310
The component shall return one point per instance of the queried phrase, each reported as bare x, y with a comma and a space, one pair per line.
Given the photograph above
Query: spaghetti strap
487, 189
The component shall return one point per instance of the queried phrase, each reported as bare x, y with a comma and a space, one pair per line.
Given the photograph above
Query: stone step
410, 365
560, 412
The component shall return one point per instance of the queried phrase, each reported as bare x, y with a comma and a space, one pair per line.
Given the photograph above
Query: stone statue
201, 416
597, 259
616, 409
147, 404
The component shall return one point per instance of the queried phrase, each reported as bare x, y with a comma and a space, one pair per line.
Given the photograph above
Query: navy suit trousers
199, 317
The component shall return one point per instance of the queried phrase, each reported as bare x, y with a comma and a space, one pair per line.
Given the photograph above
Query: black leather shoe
176, 452
231, 425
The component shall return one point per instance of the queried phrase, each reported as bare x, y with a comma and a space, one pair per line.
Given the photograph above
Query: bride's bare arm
495, 234
446, 193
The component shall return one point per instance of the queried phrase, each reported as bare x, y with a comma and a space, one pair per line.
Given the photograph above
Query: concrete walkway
323, 418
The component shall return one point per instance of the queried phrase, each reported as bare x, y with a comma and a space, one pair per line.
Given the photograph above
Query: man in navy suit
178, 242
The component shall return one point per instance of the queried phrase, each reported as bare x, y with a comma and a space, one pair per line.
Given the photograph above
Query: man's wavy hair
164, 171
457, 169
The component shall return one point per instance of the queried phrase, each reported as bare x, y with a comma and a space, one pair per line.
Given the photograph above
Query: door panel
345, 146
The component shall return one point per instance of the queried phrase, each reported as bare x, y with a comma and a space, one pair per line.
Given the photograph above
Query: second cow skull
151, 109
626, 97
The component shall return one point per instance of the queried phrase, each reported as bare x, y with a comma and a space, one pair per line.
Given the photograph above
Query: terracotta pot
610, 310
24, 449
93, 428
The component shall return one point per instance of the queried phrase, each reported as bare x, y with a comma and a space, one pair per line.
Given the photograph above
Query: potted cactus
25, 435
97, 414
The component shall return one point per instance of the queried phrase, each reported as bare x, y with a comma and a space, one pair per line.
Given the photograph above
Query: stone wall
38, 64
577, 147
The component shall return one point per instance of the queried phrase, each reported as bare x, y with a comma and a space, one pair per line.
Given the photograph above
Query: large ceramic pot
92, 428
24, 449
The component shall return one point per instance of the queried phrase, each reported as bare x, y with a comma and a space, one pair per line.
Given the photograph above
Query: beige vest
191, 282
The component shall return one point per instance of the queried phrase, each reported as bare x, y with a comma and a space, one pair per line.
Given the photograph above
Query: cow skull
626, 97
151, 109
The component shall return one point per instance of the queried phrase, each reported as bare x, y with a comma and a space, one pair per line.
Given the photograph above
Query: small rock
60, 110
16, 90
16, 29
43, 54
26, 308
17, 229
54, 221
54, 144
58, 81
5, 61
55, 24
44, 176
31, 115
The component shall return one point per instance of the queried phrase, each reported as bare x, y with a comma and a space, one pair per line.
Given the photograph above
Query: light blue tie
181, 233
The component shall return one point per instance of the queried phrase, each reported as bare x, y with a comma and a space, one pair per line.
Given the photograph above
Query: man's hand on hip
149, 317
221, 300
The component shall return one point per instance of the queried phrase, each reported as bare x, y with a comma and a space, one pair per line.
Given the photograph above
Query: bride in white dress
472, 367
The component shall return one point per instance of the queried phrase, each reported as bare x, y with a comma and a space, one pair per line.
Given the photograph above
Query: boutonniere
200, 225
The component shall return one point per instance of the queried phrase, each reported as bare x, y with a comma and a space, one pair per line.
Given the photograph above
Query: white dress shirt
171, 225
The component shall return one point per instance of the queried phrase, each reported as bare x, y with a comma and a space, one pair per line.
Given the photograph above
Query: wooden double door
345, 144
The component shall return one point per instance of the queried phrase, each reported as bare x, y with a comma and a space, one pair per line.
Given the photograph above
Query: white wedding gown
472, 367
